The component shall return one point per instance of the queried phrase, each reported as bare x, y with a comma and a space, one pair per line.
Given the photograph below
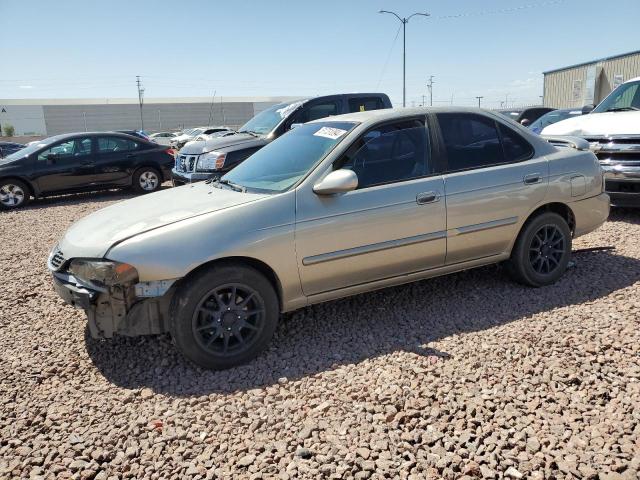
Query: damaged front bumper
118, 309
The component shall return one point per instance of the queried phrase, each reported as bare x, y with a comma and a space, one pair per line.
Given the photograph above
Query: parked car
189, 134
526, 116
613, 131
163, 138
335, 207
78, 162
202, 160
552, 117
7, 148
136, 133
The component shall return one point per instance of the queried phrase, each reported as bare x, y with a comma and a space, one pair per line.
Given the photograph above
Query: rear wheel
146, 180
542, 251
13, 194
224, 316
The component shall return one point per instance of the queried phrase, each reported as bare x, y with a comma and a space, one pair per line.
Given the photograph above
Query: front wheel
542, 250
146, 180
224, 316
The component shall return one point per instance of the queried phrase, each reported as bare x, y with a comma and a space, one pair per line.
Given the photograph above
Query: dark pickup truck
201, 160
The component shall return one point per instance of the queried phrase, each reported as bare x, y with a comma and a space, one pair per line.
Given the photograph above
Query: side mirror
338, 181
525, 122
52, 157
587, 108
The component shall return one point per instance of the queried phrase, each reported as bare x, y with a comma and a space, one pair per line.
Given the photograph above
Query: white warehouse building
54, 116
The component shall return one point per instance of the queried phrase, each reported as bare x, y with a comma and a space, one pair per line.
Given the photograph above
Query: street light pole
404, 21
479, 98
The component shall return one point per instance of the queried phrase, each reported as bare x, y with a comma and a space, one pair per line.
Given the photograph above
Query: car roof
64, 136
394, 113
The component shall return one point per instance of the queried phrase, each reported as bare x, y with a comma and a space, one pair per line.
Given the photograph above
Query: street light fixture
404, 21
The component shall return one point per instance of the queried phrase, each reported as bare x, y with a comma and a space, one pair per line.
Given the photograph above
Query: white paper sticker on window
330, 132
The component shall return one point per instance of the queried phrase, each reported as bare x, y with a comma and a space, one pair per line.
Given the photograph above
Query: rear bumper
622, 183
590, 213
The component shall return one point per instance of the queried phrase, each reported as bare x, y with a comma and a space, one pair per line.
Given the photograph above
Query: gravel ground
463, 376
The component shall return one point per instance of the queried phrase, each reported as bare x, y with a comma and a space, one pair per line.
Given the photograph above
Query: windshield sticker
330, 132
286, 111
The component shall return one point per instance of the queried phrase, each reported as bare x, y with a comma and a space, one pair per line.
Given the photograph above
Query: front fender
262, 230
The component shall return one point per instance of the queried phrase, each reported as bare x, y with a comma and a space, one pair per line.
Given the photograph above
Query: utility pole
479, 98
211, 109
404, 21
422, 101
140, 99
430, 87
84, 116
506, 101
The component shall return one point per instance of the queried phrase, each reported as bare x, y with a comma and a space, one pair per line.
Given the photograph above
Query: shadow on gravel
96, 197
322, 337
628, 215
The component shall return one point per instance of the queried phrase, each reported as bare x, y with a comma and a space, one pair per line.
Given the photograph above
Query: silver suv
332, 208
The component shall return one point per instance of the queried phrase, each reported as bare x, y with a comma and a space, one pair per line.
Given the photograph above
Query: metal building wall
168, 116
559, 84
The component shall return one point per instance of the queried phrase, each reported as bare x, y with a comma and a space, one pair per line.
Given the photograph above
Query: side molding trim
375, 247
482, 226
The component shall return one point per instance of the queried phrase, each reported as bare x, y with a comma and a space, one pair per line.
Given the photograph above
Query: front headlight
211, 161
103, 273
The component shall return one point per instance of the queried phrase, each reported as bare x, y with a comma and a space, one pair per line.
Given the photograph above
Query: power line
386, 63
500, 11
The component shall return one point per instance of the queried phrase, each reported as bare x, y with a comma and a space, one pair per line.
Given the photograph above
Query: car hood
220, 143
93, 235
607, 123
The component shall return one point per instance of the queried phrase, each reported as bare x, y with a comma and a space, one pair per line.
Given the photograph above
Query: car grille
56, 259
186, 163
616, 150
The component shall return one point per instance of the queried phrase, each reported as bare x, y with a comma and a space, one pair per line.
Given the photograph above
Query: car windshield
280, 164
264, 122
553, 117
29, 149
625, 97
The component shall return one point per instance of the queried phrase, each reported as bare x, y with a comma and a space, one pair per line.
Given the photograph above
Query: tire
13, 194
542, 251
207, 323
146, 180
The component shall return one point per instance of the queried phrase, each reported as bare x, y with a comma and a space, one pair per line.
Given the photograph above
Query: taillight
171, 152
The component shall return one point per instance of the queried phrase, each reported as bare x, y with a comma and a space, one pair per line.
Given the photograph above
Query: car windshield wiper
233, 186
621, 109
250, 132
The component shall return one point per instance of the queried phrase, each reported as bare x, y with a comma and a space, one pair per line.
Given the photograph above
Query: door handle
131, 155
532, 178
427, 197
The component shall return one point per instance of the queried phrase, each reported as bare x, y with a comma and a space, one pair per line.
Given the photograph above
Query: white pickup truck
613, 132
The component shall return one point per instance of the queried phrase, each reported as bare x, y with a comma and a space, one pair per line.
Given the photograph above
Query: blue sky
81, 49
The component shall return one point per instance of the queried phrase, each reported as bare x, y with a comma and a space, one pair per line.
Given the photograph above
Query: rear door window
317, 111
364, 104
471, 141
515, 147
115, 144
